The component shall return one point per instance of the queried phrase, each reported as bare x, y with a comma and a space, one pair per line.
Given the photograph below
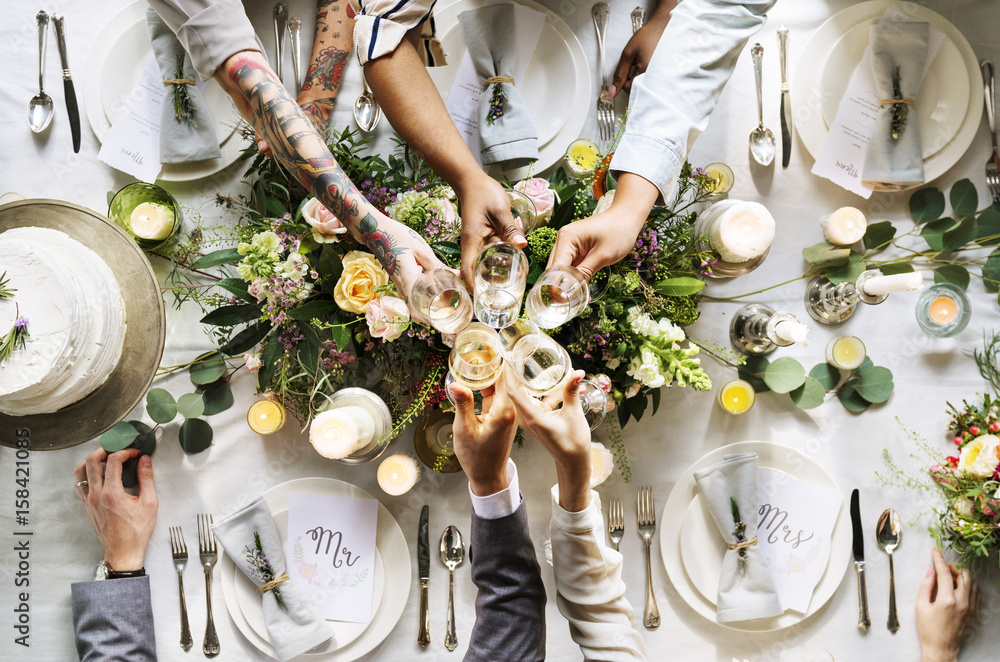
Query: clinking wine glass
500, 276
476, 360
523, 210
539, 363
559, 295
594, 402
440, 299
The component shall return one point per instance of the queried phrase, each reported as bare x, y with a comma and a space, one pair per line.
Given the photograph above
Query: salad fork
993, 164
605, 106
616, 522
646, 519
209, 554
179, 551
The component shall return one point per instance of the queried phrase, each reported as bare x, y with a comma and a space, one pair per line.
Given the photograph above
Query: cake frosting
76, 321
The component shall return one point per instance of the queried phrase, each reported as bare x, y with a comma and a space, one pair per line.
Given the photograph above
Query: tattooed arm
295, 143
331, 50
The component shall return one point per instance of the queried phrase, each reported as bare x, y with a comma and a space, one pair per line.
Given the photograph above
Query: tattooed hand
402, 252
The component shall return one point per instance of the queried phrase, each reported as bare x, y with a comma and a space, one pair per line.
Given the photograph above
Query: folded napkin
181, 140
297, 627
899, 58
746, 590
506, 133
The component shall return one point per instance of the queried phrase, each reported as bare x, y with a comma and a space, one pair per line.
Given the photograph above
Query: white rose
965, 507
979, 457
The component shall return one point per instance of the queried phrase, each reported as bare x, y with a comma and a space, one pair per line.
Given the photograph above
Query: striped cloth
380, 25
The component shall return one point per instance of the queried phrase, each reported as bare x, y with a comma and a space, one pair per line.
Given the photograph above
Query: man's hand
486, 218
639, 49
124, 523
483, 443
947, 606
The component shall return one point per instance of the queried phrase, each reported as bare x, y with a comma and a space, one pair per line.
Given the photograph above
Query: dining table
240, 464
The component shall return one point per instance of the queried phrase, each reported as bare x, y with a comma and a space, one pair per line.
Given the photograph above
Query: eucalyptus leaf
964, 198
959, 235
896, 268
988, 227
145, 441
784, 375
313, 309
246, 339
847, 273
160, 405
878, 235
679, 287
991, 272
225, 256
269, 362
825, 254
232, 315
119, 437
933, 232
191, 405
852, 401
218, 397
865, 366
195, 435
238, 287
926, 205
810, 395
875, 385
207, 368
952, 273
826, 375
752, 371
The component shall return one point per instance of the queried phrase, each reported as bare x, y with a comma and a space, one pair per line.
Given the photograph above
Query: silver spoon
888, 533
761, 139
366, 109
40, 106
452, 555
280, 16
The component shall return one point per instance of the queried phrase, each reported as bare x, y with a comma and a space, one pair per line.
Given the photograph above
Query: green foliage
207, 368
848, 272
879, 235
119, 437
926, 204
216, 258
160, 405
195, 435
954, 274
540, 243
825, 254
964, 198
191, 405
784, 375
866, 385
810, 395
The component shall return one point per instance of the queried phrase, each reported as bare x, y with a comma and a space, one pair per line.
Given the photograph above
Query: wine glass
500, 276
521, 207
539, 363
559, 295
594, 401
440, 299
511, 334
476, 360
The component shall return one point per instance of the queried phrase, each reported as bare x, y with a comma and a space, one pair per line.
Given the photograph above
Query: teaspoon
888, 533
366, 109
761, 139
40, 106
452, 555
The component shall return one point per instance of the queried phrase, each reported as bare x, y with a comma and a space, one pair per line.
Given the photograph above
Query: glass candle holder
723, 177
367, 409
559, 295
943, 310
440, 299
398, 473
434, 442
739, 233
846, 352
582, 157
266, 416
147, 213
736, 397
500, 276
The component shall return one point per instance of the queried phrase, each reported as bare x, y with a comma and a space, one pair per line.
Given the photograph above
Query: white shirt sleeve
501, 504
670, 103
591, 593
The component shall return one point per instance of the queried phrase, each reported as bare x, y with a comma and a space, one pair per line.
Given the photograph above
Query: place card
330, 553
133, 143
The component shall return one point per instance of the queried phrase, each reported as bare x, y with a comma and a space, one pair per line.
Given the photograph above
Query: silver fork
616, 521
605, 106
179, 550
209, 554
646, 519
992, 165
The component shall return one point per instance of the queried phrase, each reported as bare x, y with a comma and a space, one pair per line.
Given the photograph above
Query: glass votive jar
266, 416
723, 177
736, 397
582, 157
846, 352
146, 213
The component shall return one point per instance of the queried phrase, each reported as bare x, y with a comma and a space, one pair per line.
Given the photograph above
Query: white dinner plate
833, 51
396, 574
116, 61
556, 87
772, 456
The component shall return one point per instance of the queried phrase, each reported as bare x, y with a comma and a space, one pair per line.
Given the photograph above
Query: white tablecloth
241, 464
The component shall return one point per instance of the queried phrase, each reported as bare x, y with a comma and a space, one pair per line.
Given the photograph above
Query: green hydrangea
541, 241
259, 256
411, 208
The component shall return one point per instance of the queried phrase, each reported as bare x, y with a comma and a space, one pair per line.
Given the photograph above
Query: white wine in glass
476, 361
440, 299
559, 295
501, 274
540, 363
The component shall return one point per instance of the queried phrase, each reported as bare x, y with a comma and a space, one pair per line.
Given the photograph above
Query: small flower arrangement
739, 532
260, 568
14, 339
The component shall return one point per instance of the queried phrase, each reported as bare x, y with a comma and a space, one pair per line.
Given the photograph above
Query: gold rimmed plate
125, 387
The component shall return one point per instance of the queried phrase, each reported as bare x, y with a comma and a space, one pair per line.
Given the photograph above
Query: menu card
133, 144
330, 553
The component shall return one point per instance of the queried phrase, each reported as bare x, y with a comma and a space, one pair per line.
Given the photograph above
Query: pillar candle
880, 285
398, 474
336, 433
152, 221
845, 227
743, 231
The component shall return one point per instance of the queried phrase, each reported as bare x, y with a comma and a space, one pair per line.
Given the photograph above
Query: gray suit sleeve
113, 620
510, 605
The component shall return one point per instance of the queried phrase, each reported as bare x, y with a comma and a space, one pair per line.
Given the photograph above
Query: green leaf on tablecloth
878, 235
852, 401
207, 368
865, 366
269, 362
964, 198
959, 235
232, 315
896, 268
991, 272
826, 375
657, 393
214, 259
218, 397
875, 385
954, 274
191, 405
784, 375
752, 370
119, 437
195, 435
160, 405
246, 339
810, 395
988, 228
237, 286
313, 309
309, 356
825, 254
682, 286
926, 205
933, 232
847, 273
145, 441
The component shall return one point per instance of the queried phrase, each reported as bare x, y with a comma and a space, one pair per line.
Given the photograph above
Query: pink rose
252, 362
387, 317
603, 382
539, 192
325, 226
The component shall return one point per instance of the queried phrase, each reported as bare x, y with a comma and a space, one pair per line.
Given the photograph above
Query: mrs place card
330, 553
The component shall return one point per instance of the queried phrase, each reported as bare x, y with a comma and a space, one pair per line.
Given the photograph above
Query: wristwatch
105, 571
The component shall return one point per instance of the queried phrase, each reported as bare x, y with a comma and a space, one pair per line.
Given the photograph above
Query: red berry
974, 430
994, 426
958, 441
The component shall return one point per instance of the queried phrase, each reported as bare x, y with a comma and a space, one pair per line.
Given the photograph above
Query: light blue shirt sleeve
670, 103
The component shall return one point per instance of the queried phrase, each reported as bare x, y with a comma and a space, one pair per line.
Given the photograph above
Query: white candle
152, 221
742, 232
397, 474
336, 433
601, 464
880, 285
440, 439
845, 227
792, 331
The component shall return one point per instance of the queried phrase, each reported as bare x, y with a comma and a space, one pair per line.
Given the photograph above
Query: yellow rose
359, 282
979, 457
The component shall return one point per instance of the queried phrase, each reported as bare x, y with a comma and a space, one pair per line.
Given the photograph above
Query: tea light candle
336, 433
742, 232
943, 310
723, 177
152, 221
737, 396
601, 463
582, 157
441, 440
792, 331
845, 227
398, 474
881, 285
266, 416
846, 352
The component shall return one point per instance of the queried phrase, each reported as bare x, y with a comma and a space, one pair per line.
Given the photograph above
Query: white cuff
501, 504
588, 519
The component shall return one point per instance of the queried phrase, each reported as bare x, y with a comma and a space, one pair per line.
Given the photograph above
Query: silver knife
71, 106
295, 38
859, 563
424, 570
280, 16
786, 101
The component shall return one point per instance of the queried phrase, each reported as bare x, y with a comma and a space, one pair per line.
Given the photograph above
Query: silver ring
82, 483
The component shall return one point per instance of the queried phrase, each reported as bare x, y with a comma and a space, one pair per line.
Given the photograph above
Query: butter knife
859, 563
71, 106
295, 39
424, 570
786, 101
280, 16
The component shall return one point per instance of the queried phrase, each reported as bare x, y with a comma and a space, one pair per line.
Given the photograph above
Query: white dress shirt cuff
655, 160
501, 504
588, 519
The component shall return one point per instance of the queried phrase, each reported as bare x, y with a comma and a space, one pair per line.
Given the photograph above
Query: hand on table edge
947, 606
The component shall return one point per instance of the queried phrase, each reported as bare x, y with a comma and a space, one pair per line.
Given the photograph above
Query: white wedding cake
76, 320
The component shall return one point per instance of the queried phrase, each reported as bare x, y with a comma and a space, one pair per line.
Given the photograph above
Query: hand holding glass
440, 299
476, 361
501, 274
559, 295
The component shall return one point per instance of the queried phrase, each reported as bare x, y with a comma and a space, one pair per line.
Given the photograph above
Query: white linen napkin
896, 163
295, 629
746, 591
